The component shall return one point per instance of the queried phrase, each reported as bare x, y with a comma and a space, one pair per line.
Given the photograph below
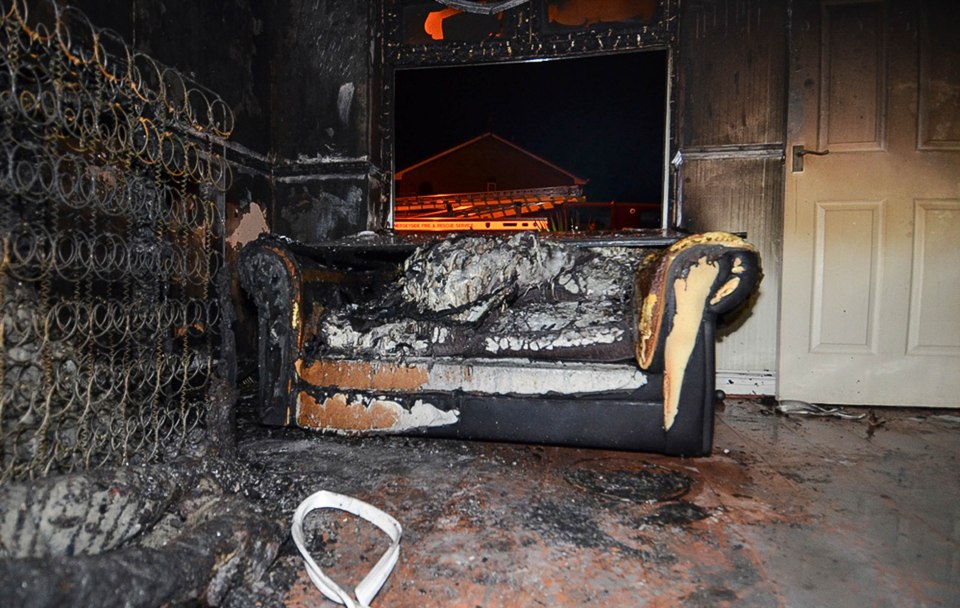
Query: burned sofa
526, 338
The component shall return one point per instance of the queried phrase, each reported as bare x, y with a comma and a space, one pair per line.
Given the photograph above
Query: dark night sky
600, 118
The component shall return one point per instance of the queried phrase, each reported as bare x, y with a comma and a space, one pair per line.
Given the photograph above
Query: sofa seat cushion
481, 297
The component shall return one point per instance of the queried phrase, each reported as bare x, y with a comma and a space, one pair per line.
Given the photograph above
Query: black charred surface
250, 185
283, 276
50, 517
525, 298
200, 564
273, 281
194, 542
319, 70
506, 309
297, 76
222, 418
497, 524
650, 484
572, 523
317, 207
220, 45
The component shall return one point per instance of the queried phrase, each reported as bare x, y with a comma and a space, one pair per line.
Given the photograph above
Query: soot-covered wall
320, 129
221, 45
297, 75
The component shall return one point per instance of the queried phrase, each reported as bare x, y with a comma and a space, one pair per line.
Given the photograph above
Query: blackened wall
220, 45
297, 74
732, 72
224, 47
320, 79
303, 79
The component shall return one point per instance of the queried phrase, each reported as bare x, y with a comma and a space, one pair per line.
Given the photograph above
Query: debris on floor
789, 407
131, 536
789, 511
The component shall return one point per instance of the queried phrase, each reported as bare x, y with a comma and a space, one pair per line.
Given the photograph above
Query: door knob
799, 152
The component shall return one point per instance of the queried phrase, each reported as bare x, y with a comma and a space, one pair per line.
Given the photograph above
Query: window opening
576, 144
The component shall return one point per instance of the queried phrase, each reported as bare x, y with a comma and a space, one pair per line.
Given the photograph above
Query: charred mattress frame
528, 338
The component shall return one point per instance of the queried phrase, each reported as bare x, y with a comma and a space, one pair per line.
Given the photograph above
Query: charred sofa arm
291, 284
679, 295
270, 273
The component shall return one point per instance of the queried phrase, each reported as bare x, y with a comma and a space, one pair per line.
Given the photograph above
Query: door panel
939, 77
935, 327
871, 269
852, 75
846, 277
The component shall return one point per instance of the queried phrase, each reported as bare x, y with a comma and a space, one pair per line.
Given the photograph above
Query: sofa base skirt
630, 421
587, 423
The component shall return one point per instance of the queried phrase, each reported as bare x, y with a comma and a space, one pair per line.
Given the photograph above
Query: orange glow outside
466, 225
433, 24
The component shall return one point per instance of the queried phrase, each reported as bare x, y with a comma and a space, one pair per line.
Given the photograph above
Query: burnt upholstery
461, 336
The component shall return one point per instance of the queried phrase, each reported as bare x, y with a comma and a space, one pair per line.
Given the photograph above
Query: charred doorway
564, 145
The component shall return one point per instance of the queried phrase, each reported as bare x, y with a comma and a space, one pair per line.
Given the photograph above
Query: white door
870, 299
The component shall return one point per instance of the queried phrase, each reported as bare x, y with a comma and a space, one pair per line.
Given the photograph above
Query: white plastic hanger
374, 580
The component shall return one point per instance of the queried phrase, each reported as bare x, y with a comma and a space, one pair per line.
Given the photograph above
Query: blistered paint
650, 317
344, 101
689, 295
725, 290
252, 224
645, 327
349, 414
337, 412
363, 375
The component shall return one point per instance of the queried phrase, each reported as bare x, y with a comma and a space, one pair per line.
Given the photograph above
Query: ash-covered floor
789, 511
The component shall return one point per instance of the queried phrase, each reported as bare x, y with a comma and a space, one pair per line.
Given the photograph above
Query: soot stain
650, 484
567, 523
574, 524
678, 513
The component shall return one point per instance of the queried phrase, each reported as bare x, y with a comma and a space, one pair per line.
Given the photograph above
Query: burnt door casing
870, 300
